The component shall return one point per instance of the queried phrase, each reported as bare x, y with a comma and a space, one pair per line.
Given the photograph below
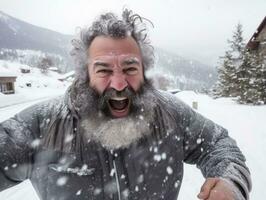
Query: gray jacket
35, 145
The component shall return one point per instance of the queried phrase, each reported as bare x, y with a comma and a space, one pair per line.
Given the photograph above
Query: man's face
116, 69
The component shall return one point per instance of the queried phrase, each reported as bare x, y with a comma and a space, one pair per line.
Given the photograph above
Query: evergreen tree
251, 77
226, 76
227, 85
245, 79
44, 64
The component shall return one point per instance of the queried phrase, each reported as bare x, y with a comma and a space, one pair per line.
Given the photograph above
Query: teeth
118, 98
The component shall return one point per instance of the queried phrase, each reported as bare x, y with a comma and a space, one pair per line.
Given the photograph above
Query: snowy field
245, 123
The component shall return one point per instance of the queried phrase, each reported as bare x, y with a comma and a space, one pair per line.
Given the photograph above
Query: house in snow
25, 69
7, 80
257, 42
54, 69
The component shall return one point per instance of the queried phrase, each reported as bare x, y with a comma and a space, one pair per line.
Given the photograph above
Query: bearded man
113, 135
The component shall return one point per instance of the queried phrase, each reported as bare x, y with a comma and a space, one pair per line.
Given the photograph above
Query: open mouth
119, 106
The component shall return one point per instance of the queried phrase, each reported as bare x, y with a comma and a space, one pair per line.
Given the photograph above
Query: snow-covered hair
110, 25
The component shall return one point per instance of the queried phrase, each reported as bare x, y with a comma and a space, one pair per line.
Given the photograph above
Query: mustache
111, 93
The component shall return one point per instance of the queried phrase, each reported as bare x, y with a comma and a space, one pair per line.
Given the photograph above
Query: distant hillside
17, 34
185, 73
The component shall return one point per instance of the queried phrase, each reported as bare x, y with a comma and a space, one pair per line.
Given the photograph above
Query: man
113, 136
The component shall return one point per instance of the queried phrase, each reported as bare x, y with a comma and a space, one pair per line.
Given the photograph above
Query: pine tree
44, 64
252, 79
227, 85
245, 79
258, 81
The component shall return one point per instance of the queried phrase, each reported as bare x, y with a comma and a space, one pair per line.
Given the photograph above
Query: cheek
135, 82
100, 84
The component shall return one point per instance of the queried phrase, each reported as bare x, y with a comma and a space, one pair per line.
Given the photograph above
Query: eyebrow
131, 60
100, 63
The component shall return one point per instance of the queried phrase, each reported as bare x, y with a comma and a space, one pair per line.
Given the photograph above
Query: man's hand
216, 189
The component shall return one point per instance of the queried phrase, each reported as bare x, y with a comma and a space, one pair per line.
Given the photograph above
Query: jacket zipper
117, 181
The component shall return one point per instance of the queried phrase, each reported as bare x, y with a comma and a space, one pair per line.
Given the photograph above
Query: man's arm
208, 146
16, 149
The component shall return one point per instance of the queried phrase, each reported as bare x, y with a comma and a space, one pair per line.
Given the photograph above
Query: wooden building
7, 81
258, 40
25, 69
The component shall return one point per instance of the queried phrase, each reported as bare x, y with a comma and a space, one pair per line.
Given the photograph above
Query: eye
103, 72
131, 70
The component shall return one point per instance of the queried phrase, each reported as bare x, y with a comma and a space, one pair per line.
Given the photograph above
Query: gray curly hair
110, 25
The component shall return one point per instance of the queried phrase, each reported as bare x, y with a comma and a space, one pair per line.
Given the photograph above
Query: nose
118, 82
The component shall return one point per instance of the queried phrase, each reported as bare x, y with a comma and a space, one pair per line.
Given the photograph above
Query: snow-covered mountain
17, 34
26, 43
185, 74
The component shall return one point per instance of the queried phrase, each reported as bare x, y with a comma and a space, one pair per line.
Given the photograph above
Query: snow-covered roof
3, 16
6, 73
53, 68
24, 67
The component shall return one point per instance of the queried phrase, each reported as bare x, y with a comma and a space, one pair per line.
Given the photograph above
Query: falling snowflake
69, 138
164, 156
169, 170
140, 178
35, 143
97, 191
61, 181
177, 183
14, 165
78, 192
112, 172
199, 140
125, 193
157, 157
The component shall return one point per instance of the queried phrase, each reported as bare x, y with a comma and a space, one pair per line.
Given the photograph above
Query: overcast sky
196, 29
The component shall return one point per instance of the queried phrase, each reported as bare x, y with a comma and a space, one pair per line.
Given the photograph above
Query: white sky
196, 29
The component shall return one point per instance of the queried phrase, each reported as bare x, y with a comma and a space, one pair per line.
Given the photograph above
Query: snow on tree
242, 73
44, 64
231, 61
252, 76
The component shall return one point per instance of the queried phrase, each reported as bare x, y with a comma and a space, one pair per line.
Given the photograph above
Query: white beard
115, 133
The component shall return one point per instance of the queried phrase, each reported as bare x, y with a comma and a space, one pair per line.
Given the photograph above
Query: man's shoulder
47, 107
172, 103
169, 98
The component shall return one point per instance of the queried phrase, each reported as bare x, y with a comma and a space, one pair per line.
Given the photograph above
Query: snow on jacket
44, 143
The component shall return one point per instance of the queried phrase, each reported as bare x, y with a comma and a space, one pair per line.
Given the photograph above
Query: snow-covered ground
245, 123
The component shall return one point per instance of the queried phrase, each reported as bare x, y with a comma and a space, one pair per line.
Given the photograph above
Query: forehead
102, 46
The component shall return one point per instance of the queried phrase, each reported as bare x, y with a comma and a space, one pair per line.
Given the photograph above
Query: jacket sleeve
209, 146
17, 136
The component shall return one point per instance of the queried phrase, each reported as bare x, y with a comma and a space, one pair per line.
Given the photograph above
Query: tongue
118, 105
